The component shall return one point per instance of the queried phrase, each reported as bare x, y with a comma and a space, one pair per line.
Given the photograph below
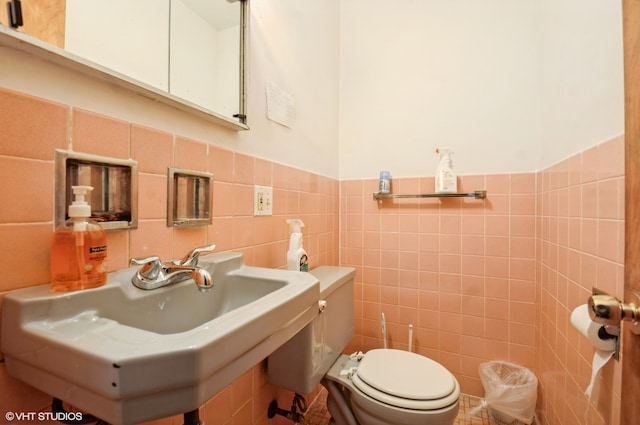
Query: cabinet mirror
187, 53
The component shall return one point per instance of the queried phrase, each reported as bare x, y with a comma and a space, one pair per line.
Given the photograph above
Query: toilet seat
406, 380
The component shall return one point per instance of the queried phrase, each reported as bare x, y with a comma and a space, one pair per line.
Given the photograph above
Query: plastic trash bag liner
510, 392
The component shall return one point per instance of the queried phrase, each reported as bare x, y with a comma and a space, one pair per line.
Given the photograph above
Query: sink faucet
155, 273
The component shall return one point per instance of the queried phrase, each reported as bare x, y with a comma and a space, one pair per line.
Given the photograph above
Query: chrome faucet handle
191, 259
151, 266
155, 273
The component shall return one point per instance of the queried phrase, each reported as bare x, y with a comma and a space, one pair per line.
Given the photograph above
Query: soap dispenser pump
296, 256
79, 248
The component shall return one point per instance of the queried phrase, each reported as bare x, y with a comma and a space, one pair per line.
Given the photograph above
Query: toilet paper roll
582, 322
604, 347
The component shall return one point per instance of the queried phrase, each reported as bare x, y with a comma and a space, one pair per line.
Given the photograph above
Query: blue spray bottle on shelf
384, 183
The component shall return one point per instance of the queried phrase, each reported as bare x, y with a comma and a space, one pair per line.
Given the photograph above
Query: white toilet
381, 387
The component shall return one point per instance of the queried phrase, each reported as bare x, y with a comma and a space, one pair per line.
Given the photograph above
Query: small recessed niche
188, 198
114, 198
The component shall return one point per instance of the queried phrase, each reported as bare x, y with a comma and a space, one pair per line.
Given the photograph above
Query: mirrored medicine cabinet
189, 54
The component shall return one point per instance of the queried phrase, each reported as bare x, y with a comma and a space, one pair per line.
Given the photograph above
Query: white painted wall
295, 44
581, 75
512, 86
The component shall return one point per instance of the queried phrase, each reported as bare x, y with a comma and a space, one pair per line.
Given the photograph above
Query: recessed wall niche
188, 198
114, 198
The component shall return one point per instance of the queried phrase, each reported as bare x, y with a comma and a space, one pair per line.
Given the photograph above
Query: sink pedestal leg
192, 418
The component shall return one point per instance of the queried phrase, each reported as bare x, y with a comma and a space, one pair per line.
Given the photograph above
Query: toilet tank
301, 362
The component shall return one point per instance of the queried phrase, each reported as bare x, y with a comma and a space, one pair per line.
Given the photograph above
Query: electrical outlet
262, 200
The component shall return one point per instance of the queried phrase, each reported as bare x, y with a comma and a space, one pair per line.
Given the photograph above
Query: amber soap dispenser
79, 248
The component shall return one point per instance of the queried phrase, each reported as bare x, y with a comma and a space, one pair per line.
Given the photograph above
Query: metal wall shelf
478, 194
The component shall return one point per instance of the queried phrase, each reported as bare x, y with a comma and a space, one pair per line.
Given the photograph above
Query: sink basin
127, 355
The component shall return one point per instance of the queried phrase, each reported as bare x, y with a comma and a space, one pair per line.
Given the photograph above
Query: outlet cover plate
262, 200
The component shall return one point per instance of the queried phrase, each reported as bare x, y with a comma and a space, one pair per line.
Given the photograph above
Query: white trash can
510, 391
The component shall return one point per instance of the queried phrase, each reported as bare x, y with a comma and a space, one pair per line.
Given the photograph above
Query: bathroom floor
318, 414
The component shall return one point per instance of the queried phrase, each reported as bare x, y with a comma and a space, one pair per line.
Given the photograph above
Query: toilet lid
405, 379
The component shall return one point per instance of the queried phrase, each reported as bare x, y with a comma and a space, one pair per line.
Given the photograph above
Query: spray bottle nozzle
444, 151
295, 224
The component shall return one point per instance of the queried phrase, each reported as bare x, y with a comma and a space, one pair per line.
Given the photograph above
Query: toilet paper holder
608, 310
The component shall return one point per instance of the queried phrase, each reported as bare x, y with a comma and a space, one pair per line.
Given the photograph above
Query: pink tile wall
496, 279
33, 128
580, 245
461, 271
